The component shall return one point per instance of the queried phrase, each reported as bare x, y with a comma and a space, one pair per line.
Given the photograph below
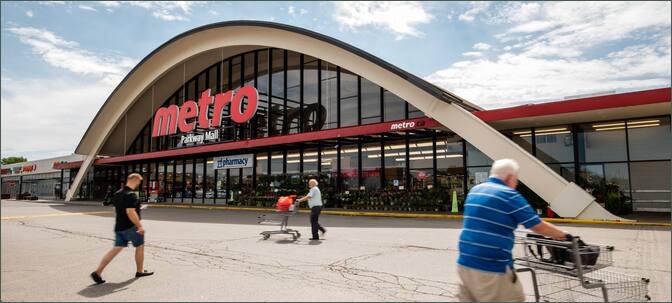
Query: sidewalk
641, 219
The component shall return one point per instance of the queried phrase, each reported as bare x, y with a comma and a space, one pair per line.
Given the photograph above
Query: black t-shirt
123, 199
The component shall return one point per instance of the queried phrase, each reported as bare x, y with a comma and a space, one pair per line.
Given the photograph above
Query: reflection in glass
310, 162
371, 162
311, 115
199, 180
650, 186
449, 165
188, 192
348, 99
554, 144
421, 163
327, 178
209, 186
350, 167
261, 118
395, 164
178, 187
293, 111
477, 158
370, 102
262, 173
650, 139
395, 107
234, 185
522, 137
329, 98
604, 141
277, 110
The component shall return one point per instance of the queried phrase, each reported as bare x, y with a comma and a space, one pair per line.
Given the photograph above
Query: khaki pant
482, 286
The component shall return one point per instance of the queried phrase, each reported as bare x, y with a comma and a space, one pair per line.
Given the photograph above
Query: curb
406, 215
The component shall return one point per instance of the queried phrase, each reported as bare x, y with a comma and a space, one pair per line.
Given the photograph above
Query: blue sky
60, 60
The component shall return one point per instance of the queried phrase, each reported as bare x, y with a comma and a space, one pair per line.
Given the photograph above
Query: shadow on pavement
100, 290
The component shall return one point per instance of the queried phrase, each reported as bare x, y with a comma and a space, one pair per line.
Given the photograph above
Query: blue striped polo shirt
492, 211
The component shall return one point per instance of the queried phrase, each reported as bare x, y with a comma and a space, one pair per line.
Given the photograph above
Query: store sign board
237, 161
407, 125
19, 169
168, 120
199, 138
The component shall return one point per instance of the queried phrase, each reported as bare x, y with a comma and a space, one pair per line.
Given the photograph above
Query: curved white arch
567, 199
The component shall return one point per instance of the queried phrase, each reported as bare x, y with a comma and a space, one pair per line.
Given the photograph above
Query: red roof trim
278, 140
577, 105
653, 96
73, 164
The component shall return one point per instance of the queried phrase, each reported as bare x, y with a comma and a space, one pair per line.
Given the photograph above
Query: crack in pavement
348, 275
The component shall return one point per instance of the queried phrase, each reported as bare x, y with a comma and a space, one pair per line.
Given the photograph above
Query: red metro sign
167, 120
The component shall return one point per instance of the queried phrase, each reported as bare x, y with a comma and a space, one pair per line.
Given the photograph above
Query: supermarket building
241, 112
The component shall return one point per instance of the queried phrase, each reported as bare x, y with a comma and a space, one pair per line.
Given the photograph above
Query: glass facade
298, 93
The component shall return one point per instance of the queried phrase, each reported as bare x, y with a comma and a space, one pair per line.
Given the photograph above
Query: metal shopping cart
285, 208
572, 271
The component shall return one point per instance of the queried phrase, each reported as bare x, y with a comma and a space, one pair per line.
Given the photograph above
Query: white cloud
67, 55
476, 8
556, 49
109, 3
87, 8
66, 104
52, 2
472, 54
54, 125
576, 26
500, 12
532, 26
482, 46
292, 11
400, 18
167, 10
512, 78
30, 14
164, 10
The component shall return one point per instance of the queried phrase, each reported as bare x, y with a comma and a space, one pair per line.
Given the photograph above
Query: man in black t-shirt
127, 228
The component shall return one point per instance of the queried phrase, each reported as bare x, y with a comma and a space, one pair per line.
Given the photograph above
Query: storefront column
465, 173
20, 187
60, 194
435, 178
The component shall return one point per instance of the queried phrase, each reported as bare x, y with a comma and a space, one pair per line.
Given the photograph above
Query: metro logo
167, 120
407, 125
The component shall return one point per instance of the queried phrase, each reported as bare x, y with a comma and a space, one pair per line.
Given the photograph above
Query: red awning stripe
525, 111
344, 132
577, 105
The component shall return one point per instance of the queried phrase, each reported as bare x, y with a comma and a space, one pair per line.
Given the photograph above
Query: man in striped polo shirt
492, 211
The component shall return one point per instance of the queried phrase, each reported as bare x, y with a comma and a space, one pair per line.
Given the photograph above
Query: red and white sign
407, 125
167, 120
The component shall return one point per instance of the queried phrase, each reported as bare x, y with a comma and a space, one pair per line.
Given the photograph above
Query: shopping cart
572, 271
285, 208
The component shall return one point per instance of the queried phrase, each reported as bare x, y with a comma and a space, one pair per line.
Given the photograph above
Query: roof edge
415, 80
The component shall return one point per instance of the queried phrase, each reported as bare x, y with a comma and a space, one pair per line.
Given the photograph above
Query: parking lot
48, 250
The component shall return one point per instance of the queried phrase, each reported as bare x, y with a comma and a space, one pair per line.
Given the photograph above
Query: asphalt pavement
49, 249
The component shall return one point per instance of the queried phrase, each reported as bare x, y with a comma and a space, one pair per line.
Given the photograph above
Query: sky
60, 60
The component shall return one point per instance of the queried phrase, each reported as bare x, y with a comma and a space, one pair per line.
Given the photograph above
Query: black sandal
143, 274
96, 278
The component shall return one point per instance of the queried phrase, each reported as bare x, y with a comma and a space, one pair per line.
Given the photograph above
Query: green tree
13, 159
